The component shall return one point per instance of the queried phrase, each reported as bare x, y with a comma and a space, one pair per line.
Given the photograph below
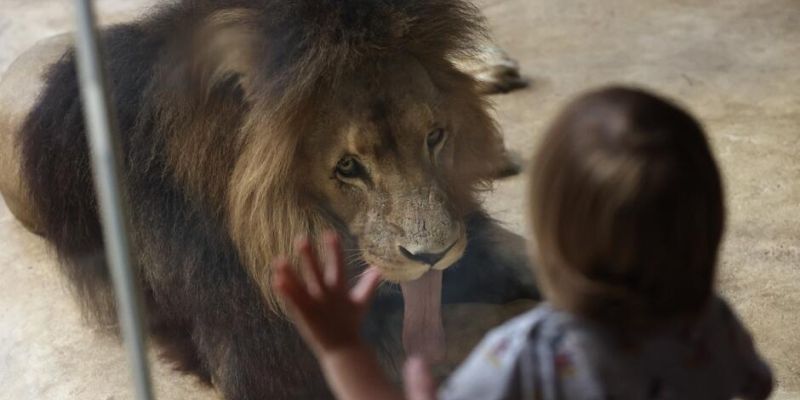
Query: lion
246, 123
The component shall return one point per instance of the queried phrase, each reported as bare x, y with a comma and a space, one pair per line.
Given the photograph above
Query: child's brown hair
627, 209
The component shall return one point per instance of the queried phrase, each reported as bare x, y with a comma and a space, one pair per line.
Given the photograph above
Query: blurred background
734, 63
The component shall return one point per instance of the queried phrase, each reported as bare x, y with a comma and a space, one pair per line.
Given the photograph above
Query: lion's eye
435, 137
348, 167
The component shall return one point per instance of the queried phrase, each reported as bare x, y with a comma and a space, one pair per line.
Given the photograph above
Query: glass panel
246, 124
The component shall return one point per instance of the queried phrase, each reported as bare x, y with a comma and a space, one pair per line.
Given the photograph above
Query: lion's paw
512, 164
494, 70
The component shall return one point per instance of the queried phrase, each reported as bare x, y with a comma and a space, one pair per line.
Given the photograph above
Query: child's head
627, 209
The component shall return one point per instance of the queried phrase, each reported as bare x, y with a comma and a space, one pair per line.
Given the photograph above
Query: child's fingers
334, 267
309, 266
289, 287
299, 305
301, 316
419, 383
365, 287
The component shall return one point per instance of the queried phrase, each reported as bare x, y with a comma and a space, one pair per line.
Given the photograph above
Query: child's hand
327, 313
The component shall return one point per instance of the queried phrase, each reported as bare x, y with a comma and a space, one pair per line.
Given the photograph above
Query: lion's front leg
492, 67
495, 268
250, 355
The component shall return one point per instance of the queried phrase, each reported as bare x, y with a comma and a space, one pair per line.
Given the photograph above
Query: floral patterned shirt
546, 354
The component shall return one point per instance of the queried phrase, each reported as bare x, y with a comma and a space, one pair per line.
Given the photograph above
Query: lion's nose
423, 257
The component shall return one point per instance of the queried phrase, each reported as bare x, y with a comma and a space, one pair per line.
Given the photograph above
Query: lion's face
383, 160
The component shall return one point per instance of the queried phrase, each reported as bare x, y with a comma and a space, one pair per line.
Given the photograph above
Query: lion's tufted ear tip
218, 51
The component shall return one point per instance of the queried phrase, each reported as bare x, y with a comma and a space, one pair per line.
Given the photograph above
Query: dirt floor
735, 64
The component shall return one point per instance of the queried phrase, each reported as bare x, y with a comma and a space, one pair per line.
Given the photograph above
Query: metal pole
104, 142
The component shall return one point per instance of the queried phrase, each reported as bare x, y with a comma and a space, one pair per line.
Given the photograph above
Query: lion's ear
222, 48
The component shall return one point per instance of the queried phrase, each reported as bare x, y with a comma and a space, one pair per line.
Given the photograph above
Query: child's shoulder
524, 325
543, 322
491, 368
512, 358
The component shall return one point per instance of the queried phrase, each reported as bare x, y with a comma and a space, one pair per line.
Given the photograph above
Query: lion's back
46, 178
20, 87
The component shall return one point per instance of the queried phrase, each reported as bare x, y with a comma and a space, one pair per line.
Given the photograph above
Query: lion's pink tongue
423, 333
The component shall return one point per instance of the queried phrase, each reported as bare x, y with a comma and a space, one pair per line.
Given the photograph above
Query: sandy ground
735, 64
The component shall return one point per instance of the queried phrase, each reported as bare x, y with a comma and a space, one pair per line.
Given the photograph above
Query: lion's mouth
421, 285
401, 269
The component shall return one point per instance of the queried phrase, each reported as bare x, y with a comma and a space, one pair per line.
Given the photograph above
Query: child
627, 213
